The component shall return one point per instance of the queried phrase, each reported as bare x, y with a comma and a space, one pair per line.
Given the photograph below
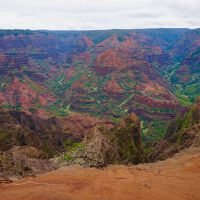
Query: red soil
175, 179
19, 92
110, 59
80, 124
113, 87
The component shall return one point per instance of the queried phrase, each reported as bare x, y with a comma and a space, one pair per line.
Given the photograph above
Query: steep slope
103, 73
19, 128
27, 142
184, 74
106, 74
47, 134
182, 132
120, 144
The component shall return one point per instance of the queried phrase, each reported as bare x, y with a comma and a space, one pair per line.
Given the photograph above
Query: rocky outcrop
118, 145
79, 125
49, 134
28, 141
182, 132
19, 128
22, 161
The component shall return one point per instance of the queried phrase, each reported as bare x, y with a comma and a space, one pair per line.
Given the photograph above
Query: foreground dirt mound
175, 179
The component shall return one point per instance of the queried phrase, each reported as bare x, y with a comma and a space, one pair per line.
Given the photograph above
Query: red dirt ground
175, 179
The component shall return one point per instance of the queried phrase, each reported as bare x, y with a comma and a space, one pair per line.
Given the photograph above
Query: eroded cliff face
102, 73
21, 161
128, 138
49, 134
55, 88
27, 142
182, 132
19, 128
120, 144
105, 74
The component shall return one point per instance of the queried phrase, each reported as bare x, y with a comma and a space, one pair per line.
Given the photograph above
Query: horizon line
109, 29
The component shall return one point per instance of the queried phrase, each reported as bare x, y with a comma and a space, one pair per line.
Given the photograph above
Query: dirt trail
175, 179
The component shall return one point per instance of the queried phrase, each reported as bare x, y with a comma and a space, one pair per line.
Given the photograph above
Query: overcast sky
98, 14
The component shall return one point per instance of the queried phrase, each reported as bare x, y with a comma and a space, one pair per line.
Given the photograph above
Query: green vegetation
9, 107
103, 81
77, 146
6, 106
186, 91
152, 131
3, 134
32, 110
67, 157
63, 110
82, 87
73, 149
60, 85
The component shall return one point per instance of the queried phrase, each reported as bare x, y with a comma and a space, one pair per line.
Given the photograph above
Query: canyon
100, 114
106, 74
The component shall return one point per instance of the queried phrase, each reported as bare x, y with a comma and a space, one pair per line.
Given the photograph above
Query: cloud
103, 14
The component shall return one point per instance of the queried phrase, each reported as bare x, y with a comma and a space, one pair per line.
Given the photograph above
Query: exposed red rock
110, 59
100, 73
113, 87
79, 124
20, 93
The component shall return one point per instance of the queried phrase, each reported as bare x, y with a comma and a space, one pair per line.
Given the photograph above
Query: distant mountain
185, 73
152, 72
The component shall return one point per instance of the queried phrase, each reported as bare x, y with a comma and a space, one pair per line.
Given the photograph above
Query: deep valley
83, 114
